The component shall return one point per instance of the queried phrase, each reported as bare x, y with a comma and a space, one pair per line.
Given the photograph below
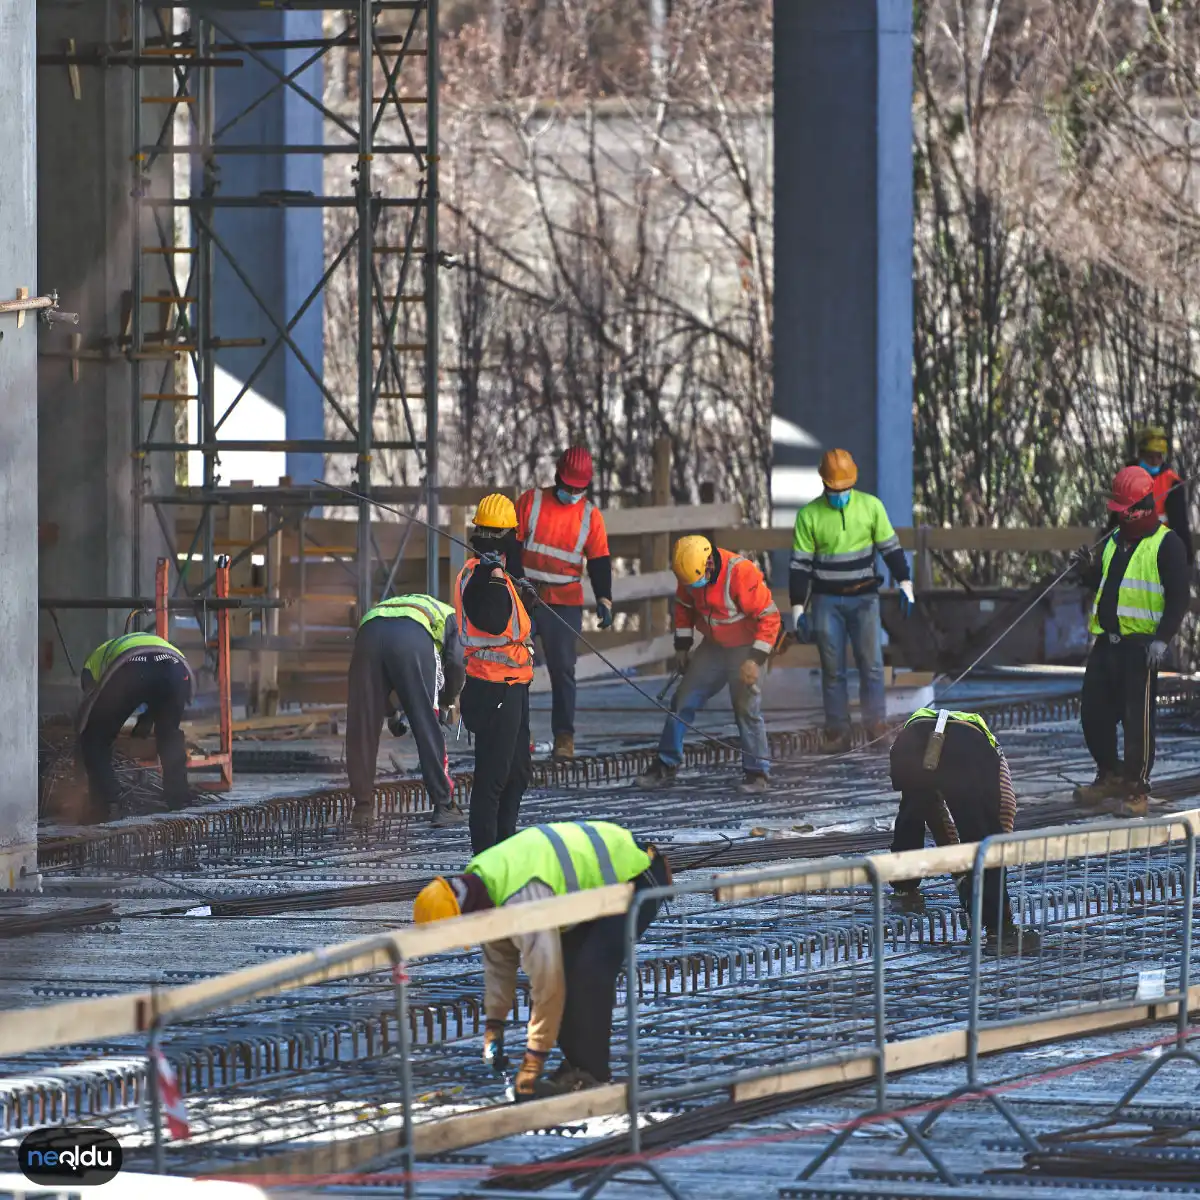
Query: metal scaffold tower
380, 244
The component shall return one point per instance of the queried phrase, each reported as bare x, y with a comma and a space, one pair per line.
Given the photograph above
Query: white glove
907, 588
797, 613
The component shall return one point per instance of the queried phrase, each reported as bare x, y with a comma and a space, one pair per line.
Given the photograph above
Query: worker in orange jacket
496, 635
559, 528
726, 597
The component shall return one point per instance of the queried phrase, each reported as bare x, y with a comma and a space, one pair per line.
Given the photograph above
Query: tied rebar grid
299, 825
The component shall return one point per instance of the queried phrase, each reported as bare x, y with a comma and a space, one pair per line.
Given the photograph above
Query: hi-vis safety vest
427, 611
567, 856
839, 544
967, 718
735, 609
107, 653
1164, 482
556, 542
498, 658
1140, 599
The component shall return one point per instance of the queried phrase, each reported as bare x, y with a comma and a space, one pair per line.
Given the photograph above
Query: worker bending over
559, 528
726, 597
407, 646
119, 677
1170, 492
495, 632
833, 574
572, 971
954, 780
1142, 593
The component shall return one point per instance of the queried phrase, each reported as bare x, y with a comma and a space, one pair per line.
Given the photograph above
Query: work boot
657, 774
1104, 787
835, 742
568, 1078
1133, 802
1013, 943
363, 816
878, 733
754, 782
564, 747
446, 816
907, 901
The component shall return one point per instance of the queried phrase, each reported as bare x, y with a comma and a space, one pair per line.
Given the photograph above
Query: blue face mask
1149, 469
565, 497
838, 499
700, 582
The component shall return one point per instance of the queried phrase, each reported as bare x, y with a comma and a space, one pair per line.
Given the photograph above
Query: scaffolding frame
198, 48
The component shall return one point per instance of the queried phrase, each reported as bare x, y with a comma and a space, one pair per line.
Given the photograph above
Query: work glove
493, 1047
530, 1071
528, 592
749, 673
908, 601
397, 724
491, 559
681, 660
1156, 652
800, 621
1080, 560
604, 612
449, 714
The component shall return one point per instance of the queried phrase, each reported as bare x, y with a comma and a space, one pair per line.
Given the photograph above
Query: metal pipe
432, 196
126, 602
366, 247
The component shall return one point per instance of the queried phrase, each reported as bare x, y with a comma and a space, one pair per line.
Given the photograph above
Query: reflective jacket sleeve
804, 548
685, 619
750, 593
888, 545
596, 545
524, 508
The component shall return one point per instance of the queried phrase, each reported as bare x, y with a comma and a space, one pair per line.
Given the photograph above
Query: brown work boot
1133, 802
363, 815
564, 747
447, 816
657, 774
878, 733
754, 782
834, 742
1104, 787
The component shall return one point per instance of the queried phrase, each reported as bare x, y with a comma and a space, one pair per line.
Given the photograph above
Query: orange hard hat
838, 470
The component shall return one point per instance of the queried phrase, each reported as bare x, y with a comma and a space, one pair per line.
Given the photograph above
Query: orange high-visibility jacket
1163, 482
557, 538
736, 609
498, 658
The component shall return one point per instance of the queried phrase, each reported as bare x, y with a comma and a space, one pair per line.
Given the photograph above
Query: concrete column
843, 246
18, 452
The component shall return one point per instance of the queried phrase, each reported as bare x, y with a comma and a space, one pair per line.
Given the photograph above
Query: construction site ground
152, 913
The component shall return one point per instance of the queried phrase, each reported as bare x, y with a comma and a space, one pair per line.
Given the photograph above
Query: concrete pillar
843, 246
18, 452
86, 509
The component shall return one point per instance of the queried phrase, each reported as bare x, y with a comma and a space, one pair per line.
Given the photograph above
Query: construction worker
496, 636
833, 573
1142, 593
573, 971
559, 528
409, 647
727, 598
118, 678
1170, 493
953, 778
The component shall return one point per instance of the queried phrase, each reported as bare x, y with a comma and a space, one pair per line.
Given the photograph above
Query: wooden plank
589, 666
670, 518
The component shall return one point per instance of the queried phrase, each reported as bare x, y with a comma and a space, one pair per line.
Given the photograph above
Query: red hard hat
1131, 485
575, 467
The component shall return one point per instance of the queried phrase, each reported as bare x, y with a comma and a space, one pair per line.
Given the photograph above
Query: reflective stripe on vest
428, 612
567, 856
572, 558
966, 718
1140, 596
512, 650
732, 614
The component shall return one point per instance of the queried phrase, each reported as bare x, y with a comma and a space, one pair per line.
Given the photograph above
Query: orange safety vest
1163, 482
555, 537
499, 658
736, 609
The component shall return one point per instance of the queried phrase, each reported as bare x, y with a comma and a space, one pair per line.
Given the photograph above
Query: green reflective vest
969, 718
839, 544
569, 856
108, 652
1140, 599
429, 613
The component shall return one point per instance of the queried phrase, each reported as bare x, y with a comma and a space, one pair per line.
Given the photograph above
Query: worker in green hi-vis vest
408, 648
572, 971
118, 678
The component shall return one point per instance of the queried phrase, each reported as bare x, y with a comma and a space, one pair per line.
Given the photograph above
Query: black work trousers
394, 654
966, 784
164, 685
559, 652
1119, 688
498, 715
593, 955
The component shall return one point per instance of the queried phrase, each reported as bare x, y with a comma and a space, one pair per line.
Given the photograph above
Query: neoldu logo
79, 1156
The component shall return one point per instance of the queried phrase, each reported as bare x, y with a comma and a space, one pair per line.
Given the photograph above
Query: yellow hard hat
496, 512
436, 901
838, 470
1153, 438
690, 560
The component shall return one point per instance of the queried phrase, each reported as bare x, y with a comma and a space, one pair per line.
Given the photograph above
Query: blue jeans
836, 620
709, 669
